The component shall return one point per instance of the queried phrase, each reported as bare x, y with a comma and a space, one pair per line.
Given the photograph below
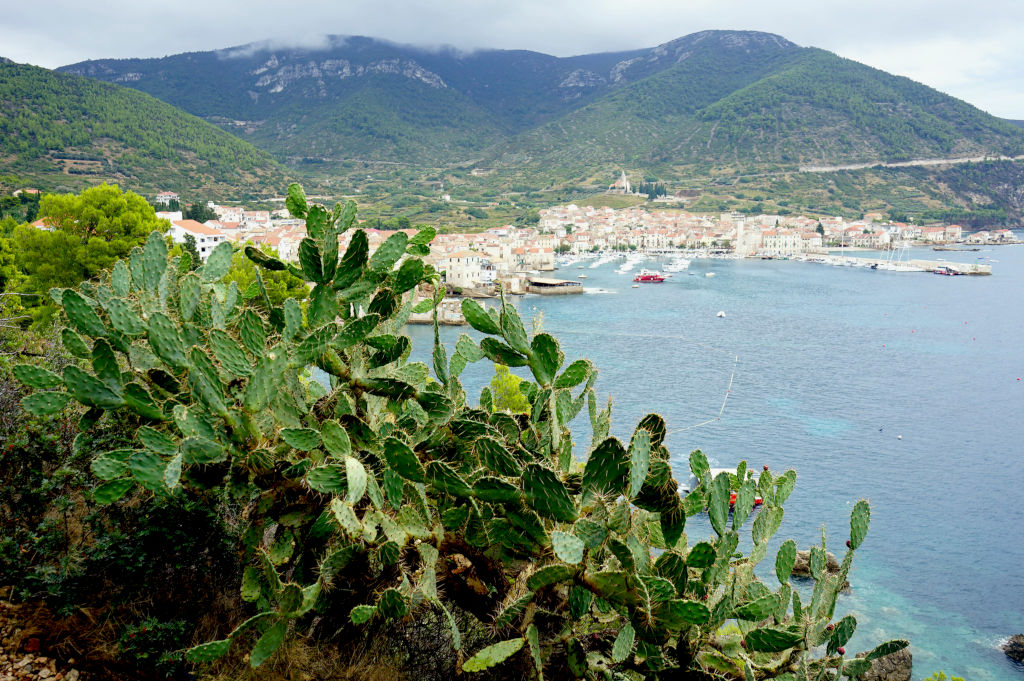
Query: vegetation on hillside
379, 512
725, 98
60, 129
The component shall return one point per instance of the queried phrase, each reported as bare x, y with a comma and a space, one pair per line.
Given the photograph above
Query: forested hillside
59, 130
714, 99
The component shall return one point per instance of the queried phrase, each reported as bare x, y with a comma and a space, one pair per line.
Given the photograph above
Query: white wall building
206, 237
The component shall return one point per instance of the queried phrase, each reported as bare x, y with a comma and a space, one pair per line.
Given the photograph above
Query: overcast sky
972, 50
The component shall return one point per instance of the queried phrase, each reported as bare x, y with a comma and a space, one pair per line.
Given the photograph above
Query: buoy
899, 437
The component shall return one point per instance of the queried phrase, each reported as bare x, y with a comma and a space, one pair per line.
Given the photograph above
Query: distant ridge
715, 98
1016, 122
64, 131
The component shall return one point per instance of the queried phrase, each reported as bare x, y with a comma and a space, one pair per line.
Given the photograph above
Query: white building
206, 237
464, 269
165, 198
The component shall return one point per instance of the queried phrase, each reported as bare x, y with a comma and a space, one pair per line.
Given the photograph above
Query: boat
649, 277
636, 285
709, 274
721, 313
582, 276
947, 271
677, 265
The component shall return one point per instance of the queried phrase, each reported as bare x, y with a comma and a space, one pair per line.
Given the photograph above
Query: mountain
767, 104
1015, 122
363, 98
62, 131
695, 111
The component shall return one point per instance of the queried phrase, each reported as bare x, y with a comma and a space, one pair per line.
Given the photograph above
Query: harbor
913, 265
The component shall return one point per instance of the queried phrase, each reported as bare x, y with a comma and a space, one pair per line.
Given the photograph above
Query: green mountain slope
374, 121
714, 99
791, 108
59, 130
823, 108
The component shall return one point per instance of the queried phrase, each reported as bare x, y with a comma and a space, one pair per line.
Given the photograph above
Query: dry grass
302, 659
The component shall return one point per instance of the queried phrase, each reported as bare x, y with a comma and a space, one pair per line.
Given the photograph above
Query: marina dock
924, 265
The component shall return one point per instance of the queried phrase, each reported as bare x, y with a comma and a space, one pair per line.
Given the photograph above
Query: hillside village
511, 254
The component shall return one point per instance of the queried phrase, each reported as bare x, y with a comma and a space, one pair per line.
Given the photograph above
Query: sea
901, 388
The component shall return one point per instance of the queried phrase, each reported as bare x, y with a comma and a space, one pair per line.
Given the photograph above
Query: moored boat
649, 277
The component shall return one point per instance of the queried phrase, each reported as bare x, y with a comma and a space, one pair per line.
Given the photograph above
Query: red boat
648, 277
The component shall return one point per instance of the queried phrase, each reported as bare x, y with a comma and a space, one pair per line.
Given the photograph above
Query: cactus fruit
385, 475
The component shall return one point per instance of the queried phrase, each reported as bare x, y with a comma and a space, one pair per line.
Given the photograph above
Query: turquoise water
828, 365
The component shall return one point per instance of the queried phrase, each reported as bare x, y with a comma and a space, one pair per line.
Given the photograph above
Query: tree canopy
88, 233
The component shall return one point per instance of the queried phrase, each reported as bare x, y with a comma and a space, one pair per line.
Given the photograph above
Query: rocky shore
1014, 648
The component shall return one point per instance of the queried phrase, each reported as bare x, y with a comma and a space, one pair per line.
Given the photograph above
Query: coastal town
521, 258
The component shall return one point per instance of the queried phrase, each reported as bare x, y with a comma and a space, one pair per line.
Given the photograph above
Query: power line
732, 376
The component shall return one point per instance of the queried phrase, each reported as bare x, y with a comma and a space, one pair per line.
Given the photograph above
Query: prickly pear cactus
386, 493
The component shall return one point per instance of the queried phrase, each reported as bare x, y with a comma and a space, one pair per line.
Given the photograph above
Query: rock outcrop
802, 566
894, 667
1014, 648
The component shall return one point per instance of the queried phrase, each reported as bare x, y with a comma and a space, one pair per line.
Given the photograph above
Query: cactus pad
493, 654
82, 315
772, 640
495, 490
623, 645
757, 610
303, 439
702, 555
478, 318
208, 652
567, 547
887, 648
859, 519
46, 403
361, 614
842, 633
111, 491
607, 467
639, 461
546, 358
392, 604
546, 494
89, 390
546, 576
329, 479
785, 559
591, 533
574, 374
